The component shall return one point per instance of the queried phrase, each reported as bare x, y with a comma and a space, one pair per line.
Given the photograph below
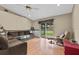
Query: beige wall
61, 23
1, 8
36, 25
14, 22
76, 22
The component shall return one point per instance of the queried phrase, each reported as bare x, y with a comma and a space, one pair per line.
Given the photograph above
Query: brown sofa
3, 46
12, 48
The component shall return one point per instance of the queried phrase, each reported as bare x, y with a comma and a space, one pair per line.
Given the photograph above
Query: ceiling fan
29, 7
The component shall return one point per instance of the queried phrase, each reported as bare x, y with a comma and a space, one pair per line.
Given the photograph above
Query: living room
36, 30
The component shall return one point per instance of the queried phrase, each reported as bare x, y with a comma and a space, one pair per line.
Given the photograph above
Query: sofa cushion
70, 44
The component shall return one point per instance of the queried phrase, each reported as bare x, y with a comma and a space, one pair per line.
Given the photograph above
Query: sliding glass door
43, 30
47, 30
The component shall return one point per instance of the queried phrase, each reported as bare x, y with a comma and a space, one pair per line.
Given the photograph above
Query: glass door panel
47, 30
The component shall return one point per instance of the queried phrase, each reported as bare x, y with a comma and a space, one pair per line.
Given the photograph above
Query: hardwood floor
35, 47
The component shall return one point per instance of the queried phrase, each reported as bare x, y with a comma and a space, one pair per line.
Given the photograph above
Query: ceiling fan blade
35, 8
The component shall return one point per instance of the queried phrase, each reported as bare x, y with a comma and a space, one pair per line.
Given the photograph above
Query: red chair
71, 48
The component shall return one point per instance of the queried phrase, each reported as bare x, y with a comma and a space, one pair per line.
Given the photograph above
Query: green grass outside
48, 33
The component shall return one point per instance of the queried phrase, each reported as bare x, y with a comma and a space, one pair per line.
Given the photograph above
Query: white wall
76, 22
14, 22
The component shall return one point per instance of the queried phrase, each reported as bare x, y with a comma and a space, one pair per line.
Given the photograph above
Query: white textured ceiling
42, 11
